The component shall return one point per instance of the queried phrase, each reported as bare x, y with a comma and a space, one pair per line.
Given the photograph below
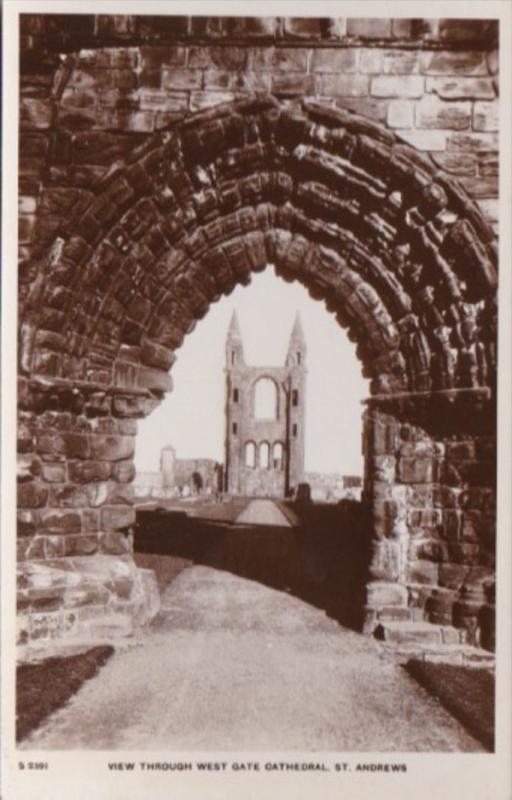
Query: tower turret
234, 344
297, 350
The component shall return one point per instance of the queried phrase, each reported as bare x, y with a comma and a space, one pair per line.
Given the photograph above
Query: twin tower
265, 415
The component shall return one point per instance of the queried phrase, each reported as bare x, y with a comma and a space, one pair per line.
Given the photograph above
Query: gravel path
233, 665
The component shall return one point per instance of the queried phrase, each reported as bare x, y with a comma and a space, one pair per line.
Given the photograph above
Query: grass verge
466, 692
46, 686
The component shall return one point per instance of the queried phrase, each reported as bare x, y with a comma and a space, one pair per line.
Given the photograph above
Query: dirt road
233, 665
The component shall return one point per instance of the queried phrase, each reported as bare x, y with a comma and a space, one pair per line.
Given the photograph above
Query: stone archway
396, 250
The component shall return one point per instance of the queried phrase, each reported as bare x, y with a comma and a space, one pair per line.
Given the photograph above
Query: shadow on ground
323, 560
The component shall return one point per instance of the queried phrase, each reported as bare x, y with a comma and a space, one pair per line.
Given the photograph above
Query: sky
191, 418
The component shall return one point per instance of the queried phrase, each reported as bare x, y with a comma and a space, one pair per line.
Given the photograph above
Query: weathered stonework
162, 160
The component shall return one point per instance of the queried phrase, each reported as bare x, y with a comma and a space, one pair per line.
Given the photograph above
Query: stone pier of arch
135, 218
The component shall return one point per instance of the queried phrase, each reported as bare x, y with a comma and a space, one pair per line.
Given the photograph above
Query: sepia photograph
256, 487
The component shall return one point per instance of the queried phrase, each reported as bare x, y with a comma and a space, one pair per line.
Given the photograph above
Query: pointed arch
395, 248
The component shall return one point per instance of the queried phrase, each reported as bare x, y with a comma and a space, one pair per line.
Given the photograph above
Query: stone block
160, 100
132, 121
84, 545
117, 517
460, 88
112, 448
90, 520
386, 560
453, 62
283, 59
486, 116
383, 593
232, 59
53, 520
446, 496
32, 494
154, 379
439, 606
424, 518
124, 471
472, 142
450, 635
450, 527
367, 28
35, 113
423, 571
384, 514
51, 625
303, 27
488, 164
400, 114
114, 543
69, 496
27, 521
34, 548
89, 471
431, 140
394, 614
464, 553
203, 100
430, 550
255, 27
289, 84
342, 85
54, 546
415, 470
327, 59
176, 79
370, 61
397, 86
457, 163
470, 526
434, 113
466, 616
401, 62
384, 469
467, 31
73, 445
452, 576
90, 595
53, 472
151, 58
402, 28
410, 633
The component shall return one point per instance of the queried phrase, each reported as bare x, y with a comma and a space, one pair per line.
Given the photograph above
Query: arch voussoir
395, 248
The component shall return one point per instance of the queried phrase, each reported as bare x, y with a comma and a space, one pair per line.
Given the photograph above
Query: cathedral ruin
265, 419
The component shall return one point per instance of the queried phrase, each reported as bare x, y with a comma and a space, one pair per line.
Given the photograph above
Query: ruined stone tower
265, 416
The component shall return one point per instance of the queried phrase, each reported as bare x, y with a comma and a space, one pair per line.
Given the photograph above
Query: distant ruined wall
130, 226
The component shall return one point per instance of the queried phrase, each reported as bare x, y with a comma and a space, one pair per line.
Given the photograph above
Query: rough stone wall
433, 499
137, 211
435, 82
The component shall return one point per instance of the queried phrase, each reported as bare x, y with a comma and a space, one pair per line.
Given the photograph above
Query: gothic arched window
265, 399
277, 456
264, 455
250, 455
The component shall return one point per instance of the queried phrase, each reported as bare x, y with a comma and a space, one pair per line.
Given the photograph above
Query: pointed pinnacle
297, 332
234, 327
